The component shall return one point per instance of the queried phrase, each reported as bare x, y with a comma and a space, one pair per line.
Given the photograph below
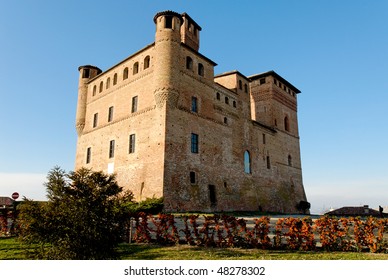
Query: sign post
15, 196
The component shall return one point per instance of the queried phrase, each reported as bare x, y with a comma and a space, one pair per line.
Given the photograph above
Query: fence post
130, 230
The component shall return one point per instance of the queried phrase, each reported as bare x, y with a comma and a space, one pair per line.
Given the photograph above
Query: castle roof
277, 76
185, 15
233, 72
168, 13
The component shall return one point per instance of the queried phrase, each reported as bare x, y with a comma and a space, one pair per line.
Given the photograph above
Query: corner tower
86, 73
167, 54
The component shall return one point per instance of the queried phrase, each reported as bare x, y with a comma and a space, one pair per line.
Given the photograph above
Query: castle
168, 127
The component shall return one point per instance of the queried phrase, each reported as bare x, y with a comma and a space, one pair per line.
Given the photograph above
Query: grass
12, 249
186, 252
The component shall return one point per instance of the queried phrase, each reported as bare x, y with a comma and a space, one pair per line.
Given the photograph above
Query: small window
226, 100
107, 83
125, 73
189, 63
268, 162
192, 177
201, 69
240, 84
132, 142
262, 81
212, 196
94, 90
147, 62
218, 96
110, 114
168, 22
286, 124
263, 138
194, 104
234, 104
115, 79
194, 143
101, 86
289, 160
247, 162
135, 68
86, 73
225, 120
111, 148
245, 88
88, 155
134, 104
95, 120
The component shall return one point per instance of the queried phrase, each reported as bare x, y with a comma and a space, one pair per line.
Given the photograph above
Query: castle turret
190, 32
86, 73
167, 50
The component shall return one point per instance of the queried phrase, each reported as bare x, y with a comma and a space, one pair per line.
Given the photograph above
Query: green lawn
12, 249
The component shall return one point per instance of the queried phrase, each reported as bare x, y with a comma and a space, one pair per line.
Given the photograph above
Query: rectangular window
263, 138
88, 155
132, 139
194, 143
134, 104
268, 163
212, 196
192, 177
168, 22
86, 73
111, 148
95, 120
262, 81
110, 114
194, 104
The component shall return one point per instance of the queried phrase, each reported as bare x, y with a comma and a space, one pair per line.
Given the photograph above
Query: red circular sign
15, 195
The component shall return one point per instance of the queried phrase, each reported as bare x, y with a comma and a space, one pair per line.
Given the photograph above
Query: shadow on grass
186, 252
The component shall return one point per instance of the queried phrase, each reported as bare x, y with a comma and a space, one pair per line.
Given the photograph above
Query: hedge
223, 231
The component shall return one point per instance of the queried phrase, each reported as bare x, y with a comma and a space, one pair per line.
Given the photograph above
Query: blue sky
335, 52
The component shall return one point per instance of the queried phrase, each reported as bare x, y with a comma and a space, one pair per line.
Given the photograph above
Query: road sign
15, 195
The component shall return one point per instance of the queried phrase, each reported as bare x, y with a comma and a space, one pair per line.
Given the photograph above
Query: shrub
82, 219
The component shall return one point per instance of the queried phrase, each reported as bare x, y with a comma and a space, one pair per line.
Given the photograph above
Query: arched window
107, 83
247, 162
234, 104
225, 120
201, 69
189, 63
289, 160
94, 90
218, 96
286, 124
147, 62
101, 86
226, 100
135, 68
125, 73
115, 79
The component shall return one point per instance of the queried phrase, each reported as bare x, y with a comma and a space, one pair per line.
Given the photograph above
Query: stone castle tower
167, 126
